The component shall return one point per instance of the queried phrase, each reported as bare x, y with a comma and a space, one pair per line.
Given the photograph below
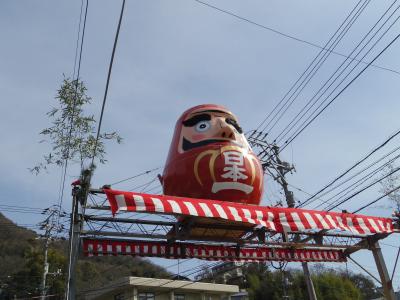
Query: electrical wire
310, 118
281, 33
77, 40
363, 189
20, 211
330, 102
71, 231
97, 138
376, 149
306, 193
290, 126
390, 245
376, 200
325, 55
98, 129
65, 166
137, 175
21, 207
108, 81
395, 265
309, 66
362, 171
358, 183
144, 185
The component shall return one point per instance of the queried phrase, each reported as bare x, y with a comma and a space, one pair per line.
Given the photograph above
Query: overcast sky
173, 55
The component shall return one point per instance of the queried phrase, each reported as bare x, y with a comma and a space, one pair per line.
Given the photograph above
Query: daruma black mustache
187, 145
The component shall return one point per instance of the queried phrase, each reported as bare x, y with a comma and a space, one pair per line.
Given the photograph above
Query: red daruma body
210, 158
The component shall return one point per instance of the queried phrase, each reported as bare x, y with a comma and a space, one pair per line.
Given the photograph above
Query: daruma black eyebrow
234, 124
196, 119
211, 110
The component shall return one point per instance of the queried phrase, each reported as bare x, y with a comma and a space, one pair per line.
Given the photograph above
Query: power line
108, 80
352, 167
21, 207
330, 102
395, 264
77, 39
144, 185
304, 125
357, 183
318, 90
135, 176
377, 199
386, 244
24, 209
73, 111
352, 187
283, 34
73, 245
316, 67
20, 211
363, 170
289, 126
363, 189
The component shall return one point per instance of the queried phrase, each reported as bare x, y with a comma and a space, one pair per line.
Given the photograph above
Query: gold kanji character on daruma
210, 158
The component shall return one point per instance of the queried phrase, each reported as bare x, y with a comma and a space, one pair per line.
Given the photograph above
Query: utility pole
73, 246
282, 168
80, 193
49, 224
284, 285
310, 285
45, 268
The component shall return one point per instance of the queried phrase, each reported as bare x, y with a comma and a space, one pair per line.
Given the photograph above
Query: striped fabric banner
96, 247
276, 219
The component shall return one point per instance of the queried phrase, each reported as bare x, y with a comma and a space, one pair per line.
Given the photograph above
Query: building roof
155, 284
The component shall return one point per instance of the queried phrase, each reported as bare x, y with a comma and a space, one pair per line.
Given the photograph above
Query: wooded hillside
21, 265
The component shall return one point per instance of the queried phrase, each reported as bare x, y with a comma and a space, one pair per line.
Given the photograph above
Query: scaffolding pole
382, 270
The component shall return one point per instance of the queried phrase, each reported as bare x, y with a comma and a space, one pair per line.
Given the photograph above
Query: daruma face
210, 158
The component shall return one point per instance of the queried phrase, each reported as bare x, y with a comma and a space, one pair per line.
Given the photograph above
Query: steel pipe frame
233, 242
311, 235
253, 231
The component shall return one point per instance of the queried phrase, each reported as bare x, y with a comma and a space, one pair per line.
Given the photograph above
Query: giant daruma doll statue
210, 158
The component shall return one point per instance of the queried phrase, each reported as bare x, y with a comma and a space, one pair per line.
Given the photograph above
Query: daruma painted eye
203, 126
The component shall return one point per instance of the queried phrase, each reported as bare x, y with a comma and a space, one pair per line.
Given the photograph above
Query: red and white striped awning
276, 219
96, 247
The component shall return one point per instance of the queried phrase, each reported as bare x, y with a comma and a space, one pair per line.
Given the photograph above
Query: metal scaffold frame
93, 220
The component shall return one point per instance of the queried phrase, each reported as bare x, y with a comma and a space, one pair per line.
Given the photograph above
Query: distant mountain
21, 264
14, 240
